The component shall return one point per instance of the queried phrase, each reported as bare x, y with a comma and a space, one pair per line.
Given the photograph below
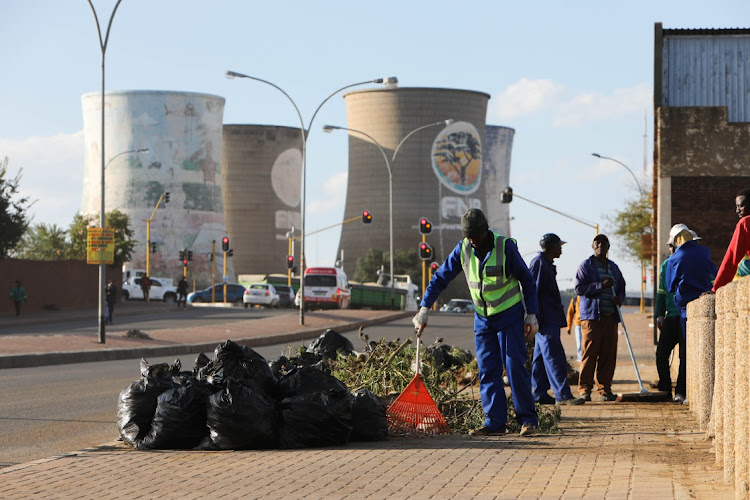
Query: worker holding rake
500, 285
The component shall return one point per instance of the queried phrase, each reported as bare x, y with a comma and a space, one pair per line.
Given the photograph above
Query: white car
261, 294
458, 306
159, 290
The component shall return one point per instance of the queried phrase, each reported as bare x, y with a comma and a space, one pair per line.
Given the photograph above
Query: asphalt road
51, 410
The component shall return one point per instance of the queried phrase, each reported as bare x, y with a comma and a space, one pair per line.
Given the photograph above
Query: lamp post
330, 128
642, 193
507, 196
102, 270
304, 133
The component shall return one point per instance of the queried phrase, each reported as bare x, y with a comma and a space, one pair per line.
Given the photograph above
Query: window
320, 280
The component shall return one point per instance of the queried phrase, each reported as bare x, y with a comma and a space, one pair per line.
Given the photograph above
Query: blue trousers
500, 338
549, 366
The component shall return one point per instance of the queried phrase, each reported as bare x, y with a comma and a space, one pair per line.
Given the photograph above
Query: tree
630, 223
368, 266
13, 220
120, 222
43, 242
404, 262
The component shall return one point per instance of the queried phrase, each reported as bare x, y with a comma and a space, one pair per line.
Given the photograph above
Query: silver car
261, 294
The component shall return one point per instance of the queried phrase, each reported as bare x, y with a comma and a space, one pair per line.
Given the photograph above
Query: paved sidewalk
612, 450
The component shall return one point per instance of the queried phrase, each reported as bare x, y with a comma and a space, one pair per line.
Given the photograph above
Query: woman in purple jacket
601, 286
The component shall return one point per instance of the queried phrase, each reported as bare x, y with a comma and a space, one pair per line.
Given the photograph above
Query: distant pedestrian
574, 322
668, 322
549, 367
18, 295
735, 263
601, 286
182, 291
110, 297
688, 275
145, 286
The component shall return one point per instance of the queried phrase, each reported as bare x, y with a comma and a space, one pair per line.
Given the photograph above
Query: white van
326, 288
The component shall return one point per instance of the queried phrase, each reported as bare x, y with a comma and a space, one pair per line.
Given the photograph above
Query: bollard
741, 458
718, 399
725, 298
701, 321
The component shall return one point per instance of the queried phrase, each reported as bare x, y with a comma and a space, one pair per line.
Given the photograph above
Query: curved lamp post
102, 270
388, 163
640, 190
304, 133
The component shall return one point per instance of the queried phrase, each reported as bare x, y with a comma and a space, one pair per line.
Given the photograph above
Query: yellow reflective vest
491, 290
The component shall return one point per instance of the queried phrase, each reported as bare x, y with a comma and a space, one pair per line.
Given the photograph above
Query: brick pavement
612, 450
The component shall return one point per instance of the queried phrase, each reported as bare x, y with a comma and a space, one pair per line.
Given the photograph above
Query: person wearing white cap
689, 273
735, 258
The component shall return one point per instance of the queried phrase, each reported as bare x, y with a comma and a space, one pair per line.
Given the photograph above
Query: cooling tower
438, 172
182, 131
498, 144
261, 180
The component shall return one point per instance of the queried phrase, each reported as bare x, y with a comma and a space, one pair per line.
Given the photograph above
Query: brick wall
706, 205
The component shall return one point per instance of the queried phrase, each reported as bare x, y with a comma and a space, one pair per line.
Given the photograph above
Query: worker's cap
550, 239
474, 223
677, 230
695, 236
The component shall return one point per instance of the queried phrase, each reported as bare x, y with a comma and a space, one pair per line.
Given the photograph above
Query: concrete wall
261, 179
182, 131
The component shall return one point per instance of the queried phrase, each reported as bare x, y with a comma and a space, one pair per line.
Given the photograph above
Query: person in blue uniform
549, 367
500, 285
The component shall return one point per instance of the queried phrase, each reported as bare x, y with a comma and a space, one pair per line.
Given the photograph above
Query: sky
572, 79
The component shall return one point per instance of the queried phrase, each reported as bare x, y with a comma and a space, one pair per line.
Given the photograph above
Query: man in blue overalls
549, 366
493, 269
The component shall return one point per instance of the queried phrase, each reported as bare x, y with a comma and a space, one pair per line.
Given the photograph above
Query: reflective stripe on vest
491, 291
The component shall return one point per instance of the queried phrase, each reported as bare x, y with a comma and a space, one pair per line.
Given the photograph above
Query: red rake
414, 411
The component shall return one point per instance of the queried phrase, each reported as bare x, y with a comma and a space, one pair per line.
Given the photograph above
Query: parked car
235, 293
286, 295
458, 306
159, 290
261, 294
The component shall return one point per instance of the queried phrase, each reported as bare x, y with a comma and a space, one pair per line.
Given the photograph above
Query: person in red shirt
739, 247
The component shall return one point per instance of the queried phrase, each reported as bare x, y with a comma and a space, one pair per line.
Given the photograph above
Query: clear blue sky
572, 78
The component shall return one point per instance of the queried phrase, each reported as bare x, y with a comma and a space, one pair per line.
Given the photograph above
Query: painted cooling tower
182, 131
261, 180
438, 172
498, 143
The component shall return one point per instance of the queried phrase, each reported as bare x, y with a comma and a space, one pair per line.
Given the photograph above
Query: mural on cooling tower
182, 131
457, 157
285, 180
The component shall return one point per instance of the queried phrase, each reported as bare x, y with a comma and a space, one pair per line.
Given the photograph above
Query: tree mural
458, 150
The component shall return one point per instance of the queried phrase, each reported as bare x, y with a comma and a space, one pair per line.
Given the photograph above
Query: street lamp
144, 150
640, 190
392, 80
331, 128
507, 196
103, 47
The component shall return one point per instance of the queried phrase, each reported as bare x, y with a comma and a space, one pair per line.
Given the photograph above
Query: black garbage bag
317, 419
180, 419
136, 404
200, 362
368, 417
239, 417
240, 362
441, 356
329, 343
307, 380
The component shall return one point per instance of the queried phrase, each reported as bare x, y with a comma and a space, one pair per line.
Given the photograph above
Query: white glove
420, 319
531, 325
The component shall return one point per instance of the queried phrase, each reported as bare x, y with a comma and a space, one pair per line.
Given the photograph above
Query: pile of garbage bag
238, 401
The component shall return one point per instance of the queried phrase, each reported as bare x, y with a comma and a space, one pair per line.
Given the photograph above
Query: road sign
100, 245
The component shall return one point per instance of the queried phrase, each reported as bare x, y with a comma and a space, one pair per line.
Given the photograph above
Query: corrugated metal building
702, 134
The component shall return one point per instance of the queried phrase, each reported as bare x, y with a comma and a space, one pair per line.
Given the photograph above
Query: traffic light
184, 262
366, 217
182, 254
425, 251
425, 226
290, 262
225, 243
230, 253
166, 197
507, 195
189, 255
153, 247
434, 266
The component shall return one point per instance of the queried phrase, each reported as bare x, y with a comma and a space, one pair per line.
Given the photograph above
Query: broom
644, 395
414, 411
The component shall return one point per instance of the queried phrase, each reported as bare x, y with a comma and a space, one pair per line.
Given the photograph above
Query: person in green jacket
18, 295
667, 318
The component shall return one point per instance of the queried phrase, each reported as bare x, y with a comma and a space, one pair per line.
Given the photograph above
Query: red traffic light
366, 217
184, 262
425, 226
290, 262
425, 251
434, 266
225, 243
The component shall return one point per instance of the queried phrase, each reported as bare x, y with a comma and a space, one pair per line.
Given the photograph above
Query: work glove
531, 326
420, 319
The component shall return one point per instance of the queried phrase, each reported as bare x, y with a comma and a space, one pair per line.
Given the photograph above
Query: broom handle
630, 348
419, 342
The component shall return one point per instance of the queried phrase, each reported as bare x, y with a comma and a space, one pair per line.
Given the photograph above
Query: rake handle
630, 348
